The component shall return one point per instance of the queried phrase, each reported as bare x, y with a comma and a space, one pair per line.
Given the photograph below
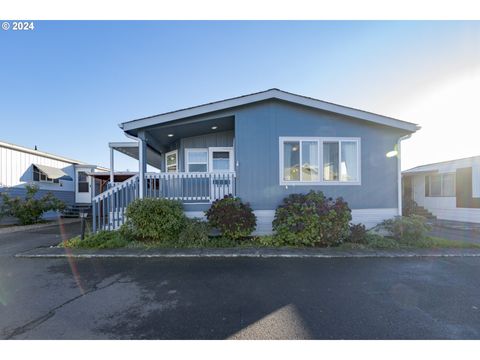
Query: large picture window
319, 161
440, 185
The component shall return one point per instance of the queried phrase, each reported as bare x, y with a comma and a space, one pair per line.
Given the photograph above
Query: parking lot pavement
468, 235
237, 298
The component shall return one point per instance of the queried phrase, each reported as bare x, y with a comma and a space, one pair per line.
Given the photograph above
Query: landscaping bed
302, 221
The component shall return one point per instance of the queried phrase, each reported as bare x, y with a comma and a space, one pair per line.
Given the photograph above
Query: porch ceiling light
170, 135
215, 127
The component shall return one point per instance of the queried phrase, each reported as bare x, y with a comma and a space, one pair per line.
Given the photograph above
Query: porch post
142, 163
112, 175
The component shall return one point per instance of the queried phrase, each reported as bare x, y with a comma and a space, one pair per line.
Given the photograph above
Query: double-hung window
196, 160
321, 161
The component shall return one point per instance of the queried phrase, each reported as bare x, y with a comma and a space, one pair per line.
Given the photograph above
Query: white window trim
320, 141
187, 163
176, 160
229, 149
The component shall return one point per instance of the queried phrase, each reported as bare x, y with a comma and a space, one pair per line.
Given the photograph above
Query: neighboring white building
66, 178
450, 190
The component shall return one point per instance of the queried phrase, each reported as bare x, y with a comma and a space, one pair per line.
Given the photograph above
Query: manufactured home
66, 179
261, 147
448, 190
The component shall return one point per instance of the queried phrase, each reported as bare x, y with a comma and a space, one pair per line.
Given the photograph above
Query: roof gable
267, 95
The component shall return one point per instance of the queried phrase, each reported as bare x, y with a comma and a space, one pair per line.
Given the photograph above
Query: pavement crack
41, 319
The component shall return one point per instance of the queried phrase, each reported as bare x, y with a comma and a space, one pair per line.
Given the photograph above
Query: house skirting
368, 217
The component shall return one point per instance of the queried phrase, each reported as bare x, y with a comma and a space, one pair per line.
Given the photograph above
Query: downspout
399, 169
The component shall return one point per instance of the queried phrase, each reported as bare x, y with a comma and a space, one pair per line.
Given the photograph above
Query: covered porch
192, 161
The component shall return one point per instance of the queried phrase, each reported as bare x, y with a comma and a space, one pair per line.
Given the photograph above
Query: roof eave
267, 95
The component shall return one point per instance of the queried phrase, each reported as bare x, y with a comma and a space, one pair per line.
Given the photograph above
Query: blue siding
257, 131
219, 139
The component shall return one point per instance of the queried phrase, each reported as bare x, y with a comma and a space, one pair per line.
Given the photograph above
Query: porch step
420, 210
73, 211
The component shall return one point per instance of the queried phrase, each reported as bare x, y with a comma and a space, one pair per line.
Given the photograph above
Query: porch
189, 161
108, 208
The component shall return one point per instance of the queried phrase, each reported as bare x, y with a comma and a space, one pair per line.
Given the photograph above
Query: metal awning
53, 173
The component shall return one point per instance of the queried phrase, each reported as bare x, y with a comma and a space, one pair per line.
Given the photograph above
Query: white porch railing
190, 187
108, 208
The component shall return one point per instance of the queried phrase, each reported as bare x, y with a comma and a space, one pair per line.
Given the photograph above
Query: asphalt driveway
239, 298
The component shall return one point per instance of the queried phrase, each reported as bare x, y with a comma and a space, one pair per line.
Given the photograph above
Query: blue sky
66, 85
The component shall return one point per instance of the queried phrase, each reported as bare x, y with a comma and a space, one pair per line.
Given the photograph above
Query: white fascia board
126, 144
266, 95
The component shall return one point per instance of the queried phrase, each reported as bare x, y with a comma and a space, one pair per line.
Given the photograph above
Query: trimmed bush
358, 234
407, 230
312, 220
195, 233
233, 218
153, 219
29, 210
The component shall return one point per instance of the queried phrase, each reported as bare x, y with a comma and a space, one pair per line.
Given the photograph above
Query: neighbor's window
440, 185
302, 161
38, 175
172, 161
83, 185
196, 160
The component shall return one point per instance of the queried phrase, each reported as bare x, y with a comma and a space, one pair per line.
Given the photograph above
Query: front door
83, 191
220, 161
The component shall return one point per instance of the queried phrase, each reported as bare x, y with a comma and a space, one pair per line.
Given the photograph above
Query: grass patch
113, 240
437, 242
430, 242
100, 240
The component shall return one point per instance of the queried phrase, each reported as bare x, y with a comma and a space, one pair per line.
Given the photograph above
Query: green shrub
358, 234
407, 230
195, 233
233, 218
99, 240
408, 207
268, 241
375, 241
153, 219
312, 220
30, 209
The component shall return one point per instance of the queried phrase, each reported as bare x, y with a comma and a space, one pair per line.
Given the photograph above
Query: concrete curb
18, 228
54, 252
